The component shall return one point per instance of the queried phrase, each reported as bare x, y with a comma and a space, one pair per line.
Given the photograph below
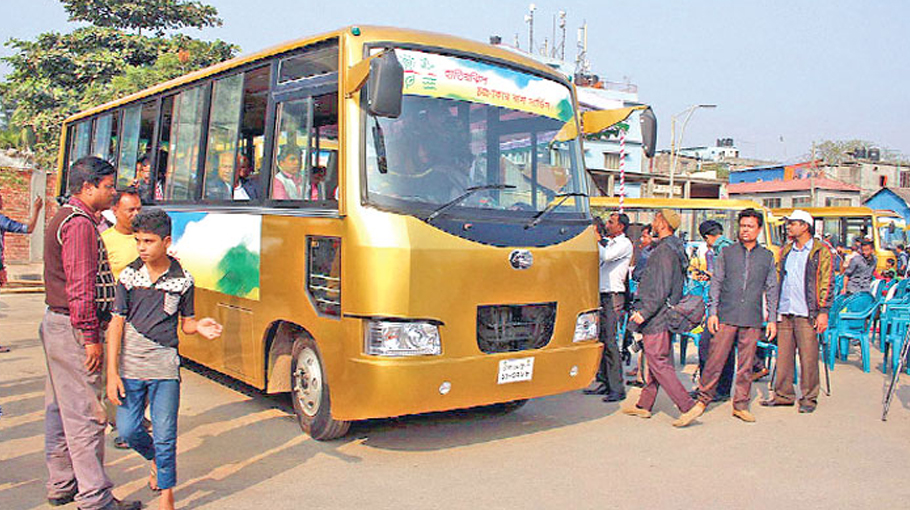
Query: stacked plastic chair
853, 323
895, 319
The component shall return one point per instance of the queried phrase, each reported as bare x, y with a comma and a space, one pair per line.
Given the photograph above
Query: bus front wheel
310, 393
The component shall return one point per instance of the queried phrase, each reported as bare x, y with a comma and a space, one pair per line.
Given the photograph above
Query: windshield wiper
468, 192
382, 161
540, 216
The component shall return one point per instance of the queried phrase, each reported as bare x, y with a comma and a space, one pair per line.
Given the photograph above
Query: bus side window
236, 136
104, 141
306, 166
224, 120
185, 140
250, 152
158, 176
137, 131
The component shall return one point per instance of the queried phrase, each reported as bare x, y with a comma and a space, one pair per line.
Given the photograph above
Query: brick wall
15, 187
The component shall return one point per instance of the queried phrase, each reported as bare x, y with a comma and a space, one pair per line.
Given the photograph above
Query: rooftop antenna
562, 42
581, 58
529, 19
517, 44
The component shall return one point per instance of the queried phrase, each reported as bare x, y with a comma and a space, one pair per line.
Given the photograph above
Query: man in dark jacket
662, 283
744, 273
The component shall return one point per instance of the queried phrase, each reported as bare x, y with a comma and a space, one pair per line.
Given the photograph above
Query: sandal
153, 478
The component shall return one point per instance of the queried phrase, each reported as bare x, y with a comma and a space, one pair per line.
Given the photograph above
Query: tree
139, 15
56, 75
835, 152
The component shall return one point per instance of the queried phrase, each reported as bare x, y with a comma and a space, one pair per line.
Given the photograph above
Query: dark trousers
746, 340
796, 334
725, 383
610, 373
658, 352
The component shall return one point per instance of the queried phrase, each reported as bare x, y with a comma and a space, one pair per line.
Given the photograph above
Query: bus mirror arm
384, 77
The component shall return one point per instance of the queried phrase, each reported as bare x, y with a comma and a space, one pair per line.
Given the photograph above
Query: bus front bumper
374, 387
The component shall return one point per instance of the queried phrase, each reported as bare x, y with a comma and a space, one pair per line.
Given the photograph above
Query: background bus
844, 225
692, 212
416, 273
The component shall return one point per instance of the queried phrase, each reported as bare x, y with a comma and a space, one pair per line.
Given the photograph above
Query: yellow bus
692, 212
410, 208
844, 224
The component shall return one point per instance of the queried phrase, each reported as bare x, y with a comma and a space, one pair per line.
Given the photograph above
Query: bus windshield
466, 124
891, 232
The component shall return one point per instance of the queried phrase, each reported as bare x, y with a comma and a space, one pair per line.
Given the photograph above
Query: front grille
511, 328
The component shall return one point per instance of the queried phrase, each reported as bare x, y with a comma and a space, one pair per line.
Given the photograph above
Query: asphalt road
242, 449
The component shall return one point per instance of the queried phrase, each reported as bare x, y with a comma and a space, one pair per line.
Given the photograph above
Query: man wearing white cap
806, 291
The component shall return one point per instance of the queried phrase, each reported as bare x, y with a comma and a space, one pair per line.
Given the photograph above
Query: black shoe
614, 396
116, 504
694, 394
64, 499
635, 383
804, 408
121, 444
600, 389
774, 403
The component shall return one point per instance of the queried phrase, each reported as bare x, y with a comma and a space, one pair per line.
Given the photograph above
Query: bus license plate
515, 370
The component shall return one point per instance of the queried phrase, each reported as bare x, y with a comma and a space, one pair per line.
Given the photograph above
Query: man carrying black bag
661, 287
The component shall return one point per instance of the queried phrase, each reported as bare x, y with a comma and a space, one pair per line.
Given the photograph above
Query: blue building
892, 199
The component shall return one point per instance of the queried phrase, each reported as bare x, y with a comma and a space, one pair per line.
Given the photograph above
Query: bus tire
310, 393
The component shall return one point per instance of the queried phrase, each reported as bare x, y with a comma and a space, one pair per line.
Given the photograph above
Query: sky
783, 73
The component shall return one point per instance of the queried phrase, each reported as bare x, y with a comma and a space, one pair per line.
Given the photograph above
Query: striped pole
622, 168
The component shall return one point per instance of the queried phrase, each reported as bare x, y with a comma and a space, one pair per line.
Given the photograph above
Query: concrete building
870, 176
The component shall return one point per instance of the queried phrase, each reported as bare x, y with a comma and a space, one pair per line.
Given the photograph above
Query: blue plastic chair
893, 339
853, 324
702, 289
898, 295
829, 336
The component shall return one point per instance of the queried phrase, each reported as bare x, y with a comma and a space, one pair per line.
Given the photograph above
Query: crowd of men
97, 274
752, 299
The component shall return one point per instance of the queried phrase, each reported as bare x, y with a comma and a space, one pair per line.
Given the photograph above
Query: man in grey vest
744, 273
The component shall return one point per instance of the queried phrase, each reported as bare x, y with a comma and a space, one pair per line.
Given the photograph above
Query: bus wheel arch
310, 393
295, 366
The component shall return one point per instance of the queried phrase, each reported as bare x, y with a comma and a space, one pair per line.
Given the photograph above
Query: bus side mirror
385, 85
648, 132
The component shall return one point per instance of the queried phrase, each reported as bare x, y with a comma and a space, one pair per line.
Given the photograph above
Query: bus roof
826, 211
675, 203
366, 33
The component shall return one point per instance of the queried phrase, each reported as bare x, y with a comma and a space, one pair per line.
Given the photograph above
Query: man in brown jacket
806, 288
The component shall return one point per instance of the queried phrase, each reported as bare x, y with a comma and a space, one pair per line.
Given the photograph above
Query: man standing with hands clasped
806, 285
743, 273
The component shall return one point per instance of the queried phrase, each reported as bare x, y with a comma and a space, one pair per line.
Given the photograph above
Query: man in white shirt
615, 251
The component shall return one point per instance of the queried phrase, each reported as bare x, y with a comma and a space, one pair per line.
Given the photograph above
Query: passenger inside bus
218, 185
287, 184
248, 180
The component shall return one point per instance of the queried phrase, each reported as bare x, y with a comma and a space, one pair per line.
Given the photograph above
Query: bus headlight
389, 338
586, 327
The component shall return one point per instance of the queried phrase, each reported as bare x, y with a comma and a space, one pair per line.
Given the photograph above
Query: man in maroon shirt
71, 333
